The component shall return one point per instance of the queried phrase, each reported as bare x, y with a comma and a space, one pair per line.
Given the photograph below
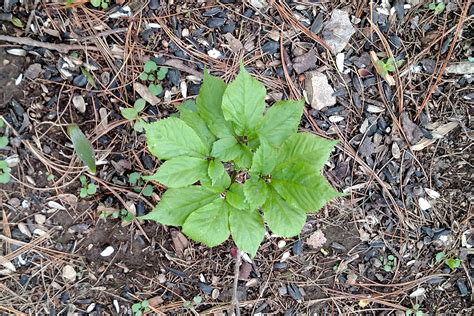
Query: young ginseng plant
230, 166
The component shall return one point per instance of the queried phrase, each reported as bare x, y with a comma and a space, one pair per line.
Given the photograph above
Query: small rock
424, 204
15, 202
418, 292
40, 219
80, 81
78, 228
107, 251
280, 266
338, 31
205, 288
90, 308
215, 22
305, 62
320, 93
155, 301
271, 47
281, 243
396, 151
317, 239
79, 103
461, 284
297, 248
174, 76
285, 256
252, 282
56, 206
162, 278
154, 4
432, 193
214, 53
282, 290
69, 273
33, 71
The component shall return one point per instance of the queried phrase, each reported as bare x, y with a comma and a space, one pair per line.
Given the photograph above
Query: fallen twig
62, 48
235, 297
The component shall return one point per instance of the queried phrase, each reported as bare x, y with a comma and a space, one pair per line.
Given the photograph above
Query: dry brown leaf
145, 93
180, 242
438, 133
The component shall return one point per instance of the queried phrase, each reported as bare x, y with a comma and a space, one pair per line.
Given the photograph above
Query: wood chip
438, 133
145, 93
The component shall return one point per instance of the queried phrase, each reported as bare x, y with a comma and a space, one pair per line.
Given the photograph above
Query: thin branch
62, 48
235, 297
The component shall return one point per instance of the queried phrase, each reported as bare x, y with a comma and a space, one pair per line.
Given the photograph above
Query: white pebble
432, 193
418, 292
285, 256
281, 244
40, 219
214, 53
107, 251
424, 204
340, 61
69, 273
56, 205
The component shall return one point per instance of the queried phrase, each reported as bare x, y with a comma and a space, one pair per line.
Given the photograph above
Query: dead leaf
363, 303
145, 93
234, 44
438, 133
317, 239
245, 270
180, 242
155, 301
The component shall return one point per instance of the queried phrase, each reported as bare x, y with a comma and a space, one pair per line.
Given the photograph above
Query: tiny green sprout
389, 263
4, 172
135, 179
104, 4
155, 89
87, 189
154, 75
50, 177
132, 114
439, 257
453, 263
437, 8
17, 22
140, 307
388, 66
161, 74
147, 190
190, 304
3, 139
415, 309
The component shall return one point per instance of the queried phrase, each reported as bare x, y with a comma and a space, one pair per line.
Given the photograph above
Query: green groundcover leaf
180, 172
209, 224
176, 204
172, 137
82, 146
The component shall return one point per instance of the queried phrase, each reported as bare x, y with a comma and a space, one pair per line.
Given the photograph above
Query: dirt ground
404, 158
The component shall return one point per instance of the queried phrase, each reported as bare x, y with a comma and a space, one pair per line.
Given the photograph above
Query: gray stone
33, 71
319, 91
305, 62
338, 31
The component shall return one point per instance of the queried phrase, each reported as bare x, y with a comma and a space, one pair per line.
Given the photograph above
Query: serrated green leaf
171, 137
161, 74
82, 146
235, 196
305, 147
283, 218
281, 121
244, 160
4, 172
139, 105
139, 125
88, 76
209, 101
218, 174
198, 125
302, 187
209, 224
155, 89
150, 66
143, 76
264, 159
176, 204
129, 113
180, 172
243, 102
247, 229
190, 105
3, 141
226, 149
255, 191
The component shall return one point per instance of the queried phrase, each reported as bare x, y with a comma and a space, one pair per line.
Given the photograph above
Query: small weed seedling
139, 308
437, 8
195, 302
388, 66
230, 164
135, 179
154, 75
453, 263
87, 188
414, 311
122, 214
132, 114
388, 263
439, 257
3, 138
4, 172
104, 4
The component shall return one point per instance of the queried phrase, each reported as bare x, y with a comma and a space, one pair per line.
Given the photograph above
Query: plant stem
235, 298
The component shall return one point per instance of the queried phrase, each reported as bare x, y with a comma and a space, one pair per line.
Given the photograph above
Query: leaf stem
235, 297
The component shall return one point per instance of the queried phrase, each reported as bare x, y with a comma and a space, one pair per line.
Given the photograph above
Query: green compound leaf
264, 159
82, 146
155, 89
176, 204
171, 137
129, 113
208, 104
235, 196
161, 74
282, 218
305, 147
218, 175
255, 191
302, 187
247, 229
243, 102
281, 121
3, 141
139, 105
143, 76
198, 125
226, 149
4, 172
244, 160
209, 224
180, 172
150, 66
